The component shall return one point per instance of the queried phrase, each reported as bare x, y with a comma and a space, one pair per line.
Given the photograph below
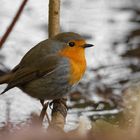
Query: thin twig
11, 26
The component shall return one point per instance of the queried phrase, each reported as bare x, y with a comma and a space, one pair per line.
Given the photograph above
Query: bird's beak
88, 45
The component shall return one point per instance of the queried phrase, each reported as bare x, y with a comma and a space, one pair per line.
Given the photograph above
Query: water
113, 64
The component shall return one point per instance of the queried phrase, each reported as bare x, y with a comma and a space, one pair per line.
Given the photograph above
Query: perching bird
50, 69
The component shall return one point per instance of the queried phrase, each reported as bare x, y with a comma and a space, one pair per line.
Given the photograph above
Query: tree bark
54, 17
59, 110
59, 113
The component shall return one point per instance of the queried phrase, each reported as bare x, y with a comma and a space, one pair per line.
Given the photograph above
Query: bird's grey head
67, 36
68, 39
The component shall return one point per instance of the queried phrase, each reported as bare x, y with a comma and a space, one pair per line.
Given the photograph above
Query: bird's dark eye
71, 44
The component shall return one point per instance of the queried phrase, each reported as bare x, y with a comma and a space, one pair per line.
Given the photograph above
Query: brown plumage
51, 68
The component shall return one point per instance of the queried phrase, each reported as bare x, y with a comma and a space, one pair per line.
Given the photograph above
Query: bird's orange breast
77, 61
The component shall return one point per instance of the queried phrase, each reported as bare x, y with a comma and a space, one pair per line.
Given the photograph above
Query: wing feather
38, 62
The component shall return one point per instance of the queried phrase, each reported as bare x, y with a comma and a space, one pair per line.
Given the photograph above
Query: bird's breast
77, 62
77, 70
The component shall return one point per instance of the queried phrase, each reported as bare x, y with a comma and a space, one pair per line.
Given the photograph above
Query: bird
50, 70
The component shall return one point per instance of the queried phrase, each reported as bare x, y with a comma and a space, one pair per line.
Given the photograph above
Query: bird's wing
23, 75
38, 62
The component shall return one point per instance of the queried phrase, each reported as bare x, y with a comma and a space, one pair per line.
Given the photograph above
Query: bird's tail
5, 78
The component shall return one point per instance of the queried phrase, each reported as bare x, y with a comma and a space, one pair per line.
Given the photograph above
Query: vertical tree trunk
59, 110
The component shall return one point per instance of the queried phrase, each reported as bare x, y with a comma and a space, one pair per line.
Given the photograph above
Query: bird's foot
43, 111
62, 101
59, 105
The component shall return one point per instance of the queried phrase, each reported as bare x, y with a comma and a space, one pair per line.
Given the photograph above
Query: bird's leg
43, 111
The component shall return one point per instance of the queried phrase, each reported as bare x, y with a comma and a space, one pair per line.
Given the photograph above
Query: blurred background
113, 64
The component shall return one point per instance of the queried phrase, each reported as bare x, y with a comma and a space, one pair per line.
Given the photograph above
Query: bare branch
11, 26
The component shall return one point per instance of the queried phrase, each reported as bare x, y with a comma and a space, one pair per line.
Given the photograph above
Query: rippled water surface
113, 64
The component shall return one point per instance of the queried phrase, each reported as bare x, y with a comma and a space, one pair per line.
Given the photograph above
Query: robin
50, 69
